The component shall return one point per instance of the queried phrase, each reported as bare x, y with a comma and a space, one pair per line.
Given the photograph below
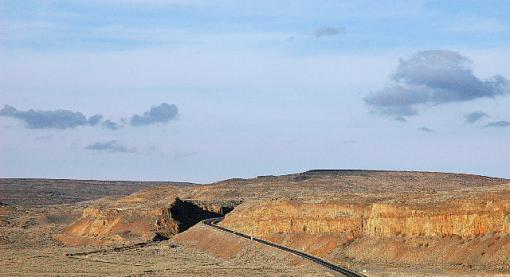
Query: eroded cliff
407, 230
138, 217
354, 216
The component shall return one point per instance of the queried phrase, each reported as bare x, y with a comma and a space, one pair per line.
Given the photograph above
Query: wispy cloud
475, 117
113, 146
433, 77
484, 26
184, 154
425, 129
111, 125
499, 124
329, 31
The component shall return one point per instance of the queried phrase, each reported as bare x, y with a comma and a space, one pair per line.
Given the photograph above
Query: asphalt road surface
213, 221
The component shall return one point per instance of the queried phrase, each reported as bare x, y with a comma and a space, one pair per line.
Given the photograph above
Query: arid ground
381, 223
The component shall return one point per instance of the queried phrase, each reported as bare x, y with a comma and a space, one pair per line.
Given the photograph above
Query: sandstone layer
465, 218
406, 229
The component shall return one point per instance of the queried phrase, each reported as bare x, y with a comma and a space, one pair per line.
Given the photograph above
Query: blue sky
206, 90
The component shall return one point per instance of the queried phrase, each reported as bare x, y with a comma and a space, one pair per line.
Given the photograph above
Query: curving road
213, 221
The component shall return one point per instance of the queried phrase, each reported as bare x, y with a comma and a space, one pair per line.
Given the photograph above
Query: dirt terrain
382, 223
61, 191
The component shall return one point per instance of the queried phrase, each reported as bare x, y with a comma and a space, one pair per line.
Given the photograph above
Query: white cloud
434, 77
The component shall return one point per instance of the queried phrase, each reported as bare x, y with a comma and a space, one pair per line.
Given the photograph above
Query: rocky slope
413, 229
140, 217
357, 217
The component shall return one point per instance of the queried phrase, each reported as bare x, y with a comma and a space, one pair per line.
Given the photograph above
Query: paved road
213, 221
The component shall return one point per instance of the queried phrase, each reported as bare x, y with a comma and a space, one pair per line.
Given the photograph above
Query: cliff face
464, 218
109, 225
384, 231
286, 216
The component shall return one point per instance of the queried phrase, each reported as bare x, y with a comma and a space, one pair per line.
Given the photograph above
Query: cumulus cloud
65, 119
110, 146
475, 117
39, 119
95, 119
499, 124
329, 31
433, 77
157, 114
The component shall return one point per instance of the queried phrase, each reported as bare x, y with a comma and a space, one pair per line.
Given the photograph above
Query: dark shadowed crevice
159, 237
188, 213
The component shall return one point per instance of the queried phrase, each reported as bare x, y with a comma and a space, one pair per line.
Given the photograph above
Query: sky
200, 91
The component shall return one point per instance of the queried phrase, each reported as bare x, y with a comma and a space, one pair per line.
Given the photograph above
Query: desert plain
377, 223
